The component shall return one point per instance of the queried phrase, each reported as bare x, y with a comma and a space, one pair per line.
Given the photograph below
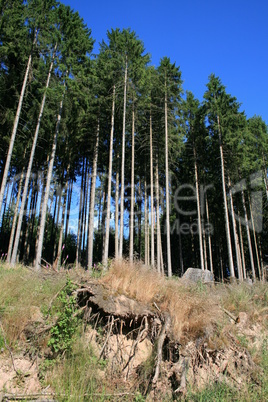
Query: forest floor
130, 335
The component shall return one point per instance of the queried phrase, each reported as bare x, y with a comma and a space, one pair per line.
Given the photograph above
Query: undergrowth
73, 370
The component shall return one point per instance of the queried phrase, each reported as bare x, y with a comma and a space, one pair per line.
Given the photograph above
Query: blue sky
228, 38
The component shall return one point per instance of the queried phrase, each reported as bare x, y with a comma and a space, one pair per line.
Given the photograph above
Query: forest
106, 156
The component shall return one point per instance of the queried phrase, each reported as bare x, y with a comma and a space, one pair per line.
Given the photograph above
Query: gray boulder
195, 275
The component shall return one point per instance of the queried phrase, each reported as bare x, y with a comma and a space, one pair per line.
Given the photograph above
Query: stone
196, 274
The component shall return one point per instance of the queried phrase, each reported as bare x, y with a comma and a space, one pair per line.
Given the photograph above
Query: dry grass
22, 294
192, 309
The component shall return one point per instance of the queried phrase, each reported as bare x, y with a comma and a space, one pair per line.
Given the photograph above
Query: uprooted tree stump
132, 333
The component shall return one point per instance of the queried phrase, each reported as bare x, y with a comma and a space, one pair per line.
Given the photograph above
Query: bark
227, 225
265, 176
236, 240
255, 240
70, 193
248, 236
92, 200
209, 239
79, 228
205, 250
116, 210
261, 259
109, 191
146, 239
132, 200
63, 213
123, 166
49, 177
242, 248
12, 234
15, 127
169, 266
158, 228
200, 230
30, 164
152, 190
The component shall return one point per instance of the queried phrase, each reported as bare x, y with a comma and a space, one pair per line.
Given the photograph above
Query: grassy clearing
75, 373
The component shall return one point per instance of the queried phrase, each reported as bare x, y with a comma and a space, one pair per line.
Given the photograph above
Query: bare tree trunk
236, 240
116, 210
14, 130
158, 228
146, 240
209, 240
110, 173
132, 200
30, 220
255, 240
12, 234
152, 190
92, 200
248, 235
180, 250
227, 225
265, 176
79, 227
205, 250
169, 266
242, 249
261, 258
63, 213
200, 230
30, 164
49, 177
121, 239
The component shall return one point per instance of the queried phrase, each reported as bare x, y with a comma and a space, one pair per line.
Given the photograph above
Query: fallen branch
161, 339
107, 338
229, 314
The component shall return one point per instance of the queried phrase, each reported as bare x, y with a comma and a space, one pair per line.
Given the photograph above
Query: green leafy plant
62, 333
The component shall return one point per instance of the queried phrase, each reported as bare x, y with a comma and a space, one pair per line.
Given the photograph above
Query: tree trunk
109, 191
116, 209
255, 239
152, 190
242, 249
248, 235
92, 200
158, 228
227, 225
30, 164
236, 240
209, 239
63, 213
169, 266
12, 234
200, 229
132, 200
123, 166
14, 130
146, 240
49, 177
79, 227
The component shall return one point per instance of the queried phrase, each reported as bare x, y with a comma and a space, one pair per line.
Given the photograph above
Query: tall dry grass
193, 309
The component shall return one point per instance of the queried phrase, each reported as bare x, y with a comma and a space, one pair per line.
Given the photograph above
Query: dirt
22, 381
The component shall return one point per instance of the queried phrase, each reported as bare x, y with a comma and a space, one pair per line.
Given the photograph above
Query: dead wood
160, 342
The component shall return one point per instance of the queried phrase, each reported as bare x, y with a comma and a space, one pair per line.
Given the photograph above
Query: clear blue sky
227, 37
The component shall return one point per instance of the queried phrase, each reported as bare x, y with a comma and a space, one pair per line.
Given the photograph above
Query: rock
195, 275
242, 319
248, 281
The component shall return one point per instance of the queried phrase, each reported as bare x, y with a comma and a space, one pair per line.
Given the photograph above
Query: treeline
114, 145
